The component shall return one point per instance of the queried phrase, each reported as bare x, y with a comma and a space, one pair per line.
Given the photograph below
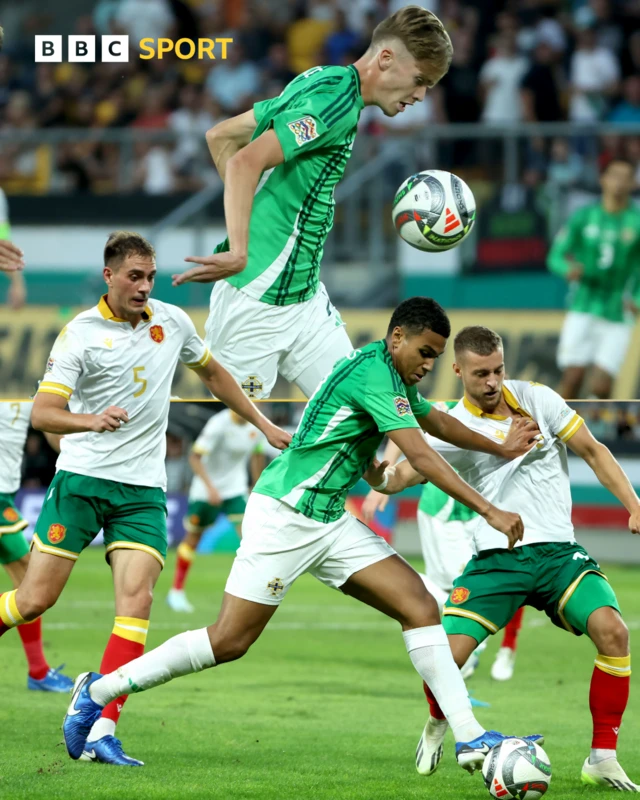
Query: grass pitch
325, 705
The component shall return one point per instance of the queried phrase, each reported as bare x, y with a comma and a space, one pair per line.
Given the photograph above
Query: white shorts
587, 339
279, 544
447, 547
255, 340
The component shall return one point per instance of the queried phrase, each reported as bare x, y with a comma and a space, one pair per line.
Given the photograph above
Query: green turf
326, 705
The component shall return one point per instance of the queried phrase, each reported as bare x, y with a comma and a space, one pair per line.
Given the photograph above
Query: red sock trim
119, 651
182, 570
31, 635
510, 638
608, 697
434, 708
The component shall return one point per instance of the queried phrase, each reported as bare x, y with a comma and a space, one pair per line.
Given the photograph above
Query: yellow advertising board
530, 337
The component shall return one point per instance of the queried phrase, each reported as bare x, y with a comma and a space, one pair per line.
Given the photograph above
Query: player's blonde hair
421, 32
122, 244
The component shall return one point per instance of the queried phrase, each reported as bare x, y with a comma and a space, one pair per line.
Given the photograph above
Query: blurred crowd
514, 61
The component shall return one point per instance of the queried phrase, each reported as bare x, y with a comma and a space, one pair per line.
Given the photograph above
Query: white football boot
430, 747
504, 664
177, 601
607, 773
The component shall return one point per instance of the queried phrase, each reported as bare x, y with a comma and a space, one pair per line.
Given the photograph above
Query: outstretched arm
222, 385
608, 471
242, 173
520, 439
228, 137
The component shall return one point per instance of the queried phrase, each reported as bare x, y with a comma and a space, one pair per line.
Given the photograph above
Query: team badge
10, 514
156, 333
304, 130
56, 533
275, 586
252, 386
50, 364
459, 595
403, 406
194, 519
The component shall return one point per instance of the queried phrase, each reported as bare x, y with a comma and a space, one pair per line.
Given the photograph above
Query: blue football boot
471, 755
108, 750
53, 681
81, 714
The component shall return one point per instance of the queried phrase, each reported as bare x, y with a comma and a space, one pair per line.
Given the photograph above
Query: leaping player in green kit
295, 522
280, 163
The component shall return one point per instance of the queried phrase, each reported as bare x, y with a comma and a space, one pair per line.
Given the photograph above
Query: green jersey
315, 119
608, 247
341, 429
434, 501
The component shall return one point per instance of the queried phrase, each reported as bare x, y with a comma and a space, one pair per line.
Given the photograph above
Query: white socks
183, 654
431, 655
102, 727
600, 754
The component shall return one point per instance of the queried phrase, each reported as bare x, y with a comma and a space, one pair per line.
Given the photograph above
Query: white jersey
14, 424
99, 361
535, 485
225, 447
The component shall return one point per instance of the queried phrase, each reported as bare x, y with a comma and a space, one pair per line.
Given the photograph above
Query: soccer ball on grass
517, 770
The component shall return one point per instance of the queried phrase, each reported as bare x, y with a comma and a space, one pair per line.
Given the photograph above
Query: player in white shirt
113, 366
14, 548
221, 457
548, 569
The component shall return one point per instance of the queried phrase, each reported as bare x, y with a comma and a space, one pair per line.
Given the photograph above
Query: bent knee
34, 605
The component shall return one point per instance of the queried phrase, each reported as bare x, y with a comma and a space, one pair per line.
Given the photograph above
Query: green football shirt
341, 429
608, 246
433, 499
315, 119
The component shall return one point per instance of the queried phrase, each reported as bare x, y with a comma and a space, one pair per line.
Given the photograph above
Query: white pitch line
274, 626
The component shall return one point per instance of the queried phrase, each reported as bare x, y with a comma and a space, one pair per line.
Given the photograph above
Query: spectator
460, 85
144, 19
631, 56
500, 79
154, 173
593, 77
276, 65
254, 35
541, 87
565, 166
234, 83
154, 112
623, 423
628, 109
600, 15
47, 97
341, 42
191, 121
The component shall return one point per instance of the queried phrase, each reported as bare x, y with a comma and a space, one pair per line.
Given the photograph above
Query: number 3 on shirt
607, 255
138, 379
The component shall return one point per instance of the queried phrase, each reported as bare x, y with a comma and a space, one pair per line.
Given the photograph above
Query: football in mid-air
518, 770
434, 210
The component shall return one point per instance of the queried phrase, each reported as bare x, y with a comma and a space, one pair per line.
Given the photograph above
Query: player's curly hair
477, 339
421, 32
418, 314
122, 244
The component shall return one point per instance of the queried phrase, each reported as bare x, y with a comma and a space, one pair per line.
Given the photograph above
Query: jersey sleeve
310, 122
419, 405
459, 459
566, 241
65, 365
194, 352
562, 420
384, 399
209, 436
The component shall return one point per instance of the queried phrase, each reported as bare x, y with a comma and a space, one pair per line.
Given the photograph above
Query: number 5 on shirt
138, 379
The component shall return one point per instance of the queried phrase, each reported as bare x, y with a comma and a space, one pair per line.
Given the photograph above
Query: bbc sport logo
116, 48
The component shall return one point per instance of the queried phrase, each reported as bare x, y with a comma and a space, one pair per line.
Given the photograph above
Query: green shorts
559, 578
201, 514
76, 507
13, 545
